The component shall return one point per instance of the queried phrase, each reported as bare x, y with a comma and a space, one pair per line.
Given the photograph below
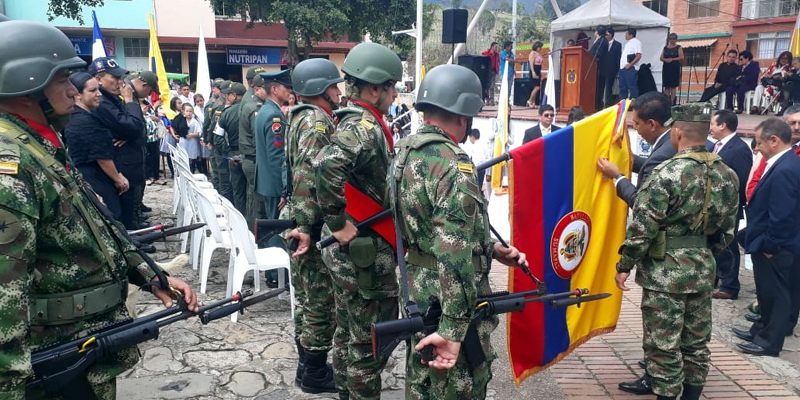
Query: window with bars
703, 8
136, 47
696, 56
756, 9
659, 6
768, 45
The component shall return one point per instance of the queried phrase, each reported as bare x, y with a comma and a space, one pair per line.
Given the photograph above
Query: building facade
707, 29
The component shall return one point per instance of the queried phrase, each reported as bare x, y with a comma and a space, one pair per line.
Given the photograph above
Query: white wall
183, 18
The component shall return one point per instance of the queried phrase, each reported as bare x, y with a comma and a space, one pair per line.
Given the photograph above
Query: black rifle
61, 369
387, 335
160, 233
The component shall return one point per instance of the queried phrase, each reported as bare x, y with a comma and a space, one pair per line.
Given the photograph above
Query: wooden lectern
578, 80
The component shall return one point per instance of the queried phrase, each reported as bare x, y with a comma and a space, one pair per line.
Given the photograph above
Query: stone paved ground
255, 358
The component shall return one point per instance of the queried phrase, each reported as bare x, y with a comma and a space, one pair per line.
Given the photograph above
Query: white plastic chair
216, 234
749, 99
187, 212
249, 258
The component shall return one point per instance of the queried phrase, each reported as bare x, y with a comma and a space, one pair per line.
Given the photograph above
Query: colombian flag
568, 220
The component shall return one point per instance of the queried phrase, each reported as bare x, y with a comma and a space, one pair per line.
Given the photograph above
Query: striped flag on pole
98, 44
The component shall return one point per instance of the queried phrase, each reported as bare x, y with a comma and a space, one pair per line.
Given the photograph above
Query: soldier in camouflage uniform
227, 133
445, 226
684, 214
364, 280
56, 245
247, 147
220, 174
311, 125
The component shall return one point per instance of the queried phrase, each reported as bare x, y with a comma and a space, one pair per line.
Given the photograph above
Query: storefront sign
83, 45
256, 56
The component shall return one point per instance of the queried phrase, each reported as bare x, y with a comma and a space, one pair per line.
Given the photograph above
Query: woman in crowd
745, 81
671, 56
771, 82
575, 114
205, 148
190, 140
169, 138
89, 144
289, 104
397, 132
155, 131
535, 60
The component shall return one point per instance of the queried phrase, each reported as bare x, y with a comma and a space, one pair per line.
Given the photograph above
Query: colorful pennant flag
98, 44
569, 221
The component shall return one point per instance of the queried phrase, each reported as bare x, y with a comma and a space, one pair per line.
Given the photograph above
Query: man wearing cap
249, 76
57, 246
684, 214
247, 147
144, 84
213, 109
269, 134
226, 137
123, 117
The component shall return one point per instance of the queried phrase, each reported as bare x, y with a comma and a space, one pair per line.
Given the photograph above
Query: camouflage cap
253, 71
691, 112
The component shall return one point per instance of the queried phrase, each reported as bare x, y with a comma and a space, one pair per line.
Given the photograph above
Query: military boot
301, 362
691, 392
318, 377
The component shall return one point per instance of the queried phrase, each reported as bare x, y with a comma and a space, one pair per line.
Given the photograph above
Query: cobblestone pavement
255, 358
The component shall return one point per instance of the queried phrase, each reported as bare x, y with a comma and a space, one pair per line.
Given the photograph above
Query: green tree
70, 8
566, 6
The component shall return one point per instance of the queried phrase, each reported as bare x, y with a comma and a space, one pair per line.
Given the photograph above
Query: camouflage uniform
47, 247
365, 287
445, 227
310, 129
247, 147
676, 300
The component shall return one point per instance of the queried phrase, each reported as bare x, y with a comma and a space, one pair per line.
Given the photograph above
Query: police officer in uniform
269, 132
219, 168
364, 280
52, 255
247, 147
684, 214
250, 77
228, 130
445, 226
311, 125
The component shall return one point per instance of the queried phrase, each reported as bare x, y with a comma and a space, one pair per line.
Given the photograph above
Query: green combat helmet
452, 88
313, 76
691, 112
32, 53
373, 63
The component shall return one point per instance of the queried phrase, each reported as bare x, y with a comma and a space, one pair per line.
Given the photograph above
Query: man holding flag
446, 229
684, 214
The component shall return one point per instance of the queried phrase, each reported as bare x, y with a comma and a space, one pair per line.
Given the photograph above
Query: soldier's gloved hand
189, 296
346, 234
510, 256
445, 352
304, 241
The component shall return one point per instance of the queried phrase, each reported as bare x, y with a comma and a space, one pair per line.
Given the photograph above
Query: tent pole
469, 29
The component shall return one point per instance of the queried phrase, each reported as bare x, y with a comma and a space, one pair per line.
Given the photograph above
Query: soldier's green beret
691, 112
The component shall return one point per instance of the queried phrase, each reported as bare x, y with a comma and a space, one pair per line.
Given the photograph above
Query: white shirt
633, 46
772, 160
185, 99
723, 142
545, 131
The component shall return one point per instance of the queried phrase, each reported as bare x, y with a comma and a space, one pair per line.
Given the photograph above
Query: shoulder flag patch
367, 124
465, 167
276, 119
9, 168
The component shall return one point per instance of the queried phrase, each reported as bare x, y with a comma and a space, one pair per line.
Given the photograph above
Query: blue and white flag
98, 44
549, 87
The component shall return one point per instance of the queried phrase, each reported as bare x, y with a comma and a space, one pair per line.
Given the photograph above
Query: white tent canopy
652, 28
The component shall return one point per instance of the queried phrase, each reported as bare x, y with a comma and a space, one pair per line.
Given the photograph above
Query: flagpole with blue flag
98, 44
549, 86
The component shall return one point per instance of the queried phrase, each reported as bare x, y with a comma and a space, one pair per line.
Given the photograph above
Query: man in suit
598, 51
772, 238
545, 126
736, 154
609, 65
651, 111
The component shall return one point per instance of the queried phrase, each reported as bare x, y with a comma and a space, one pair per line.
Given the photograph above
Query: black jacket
662, 151
126, 122
773, 213
607, 59
87, 139
737, 155
536, 132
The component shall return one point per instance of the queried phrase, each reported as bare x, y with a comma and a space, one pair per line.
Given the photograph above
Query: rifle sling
410, 307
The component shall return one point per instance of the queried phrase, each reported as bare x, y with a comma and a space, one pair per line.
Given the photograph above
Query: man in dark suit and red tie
772, 238
737, 155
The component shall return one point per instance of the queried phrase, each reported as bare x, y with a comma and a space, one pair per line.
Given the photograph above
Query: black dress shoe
145, 208
148, 248
642, 363
642, 385
744, 335
756, 350
143, 225
752, 317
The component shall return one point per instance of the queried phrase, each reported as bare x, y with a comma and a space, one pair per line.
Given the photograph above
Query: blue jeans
627, 84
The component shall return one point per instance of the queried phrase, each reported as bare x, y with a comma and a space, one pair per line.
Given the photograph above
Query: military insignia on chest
569, 243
